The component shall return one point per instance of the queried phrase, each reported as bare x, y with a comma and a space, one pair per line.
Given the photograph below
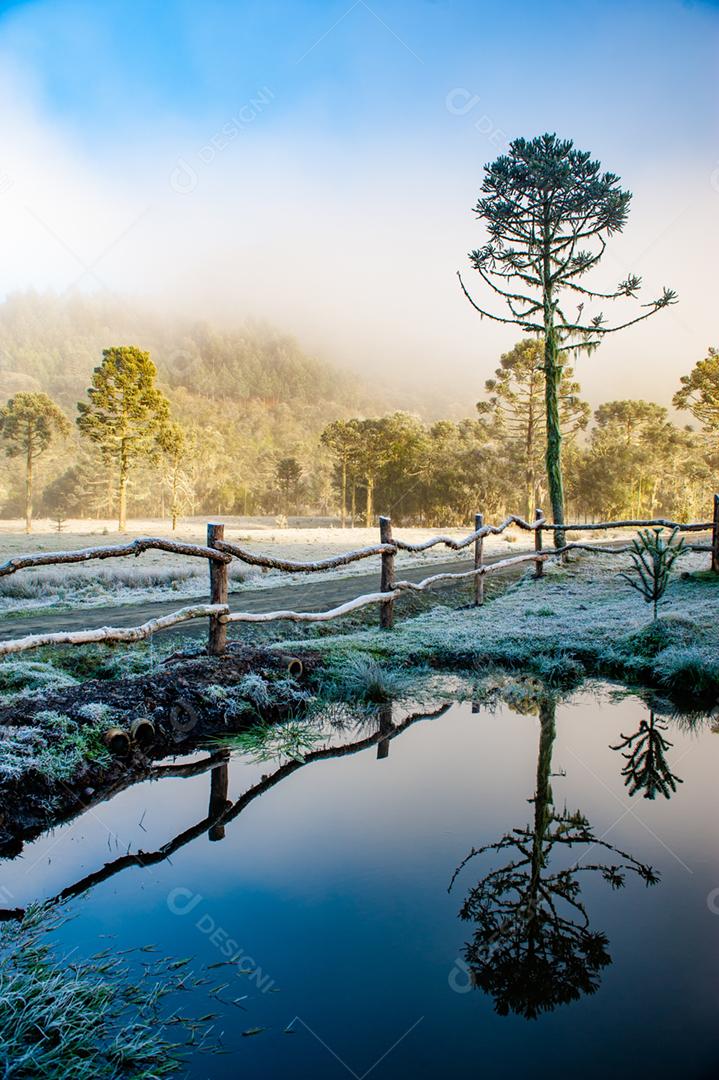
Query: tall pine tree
29, 423
515, 409
125, 413
549, 211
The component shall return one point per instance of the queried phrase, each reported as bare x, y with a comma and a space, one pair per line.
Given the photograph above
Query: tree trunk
369, 509
529, 498
174, 508
122, 511
343, 512
122, 491
529, 477
28, 488
552, 381
543, 802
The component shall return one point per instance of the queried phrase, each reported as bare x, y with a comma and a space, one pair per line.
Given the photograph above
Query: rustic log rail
133, 547
103, 634
293, 567
220, 553
542, 523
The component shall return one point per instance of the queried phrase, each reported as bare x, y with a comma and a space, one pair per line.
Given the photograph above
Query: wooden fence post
386, 611
219, 783
218, 592
539, 564
715, 536
478, 557
385, 727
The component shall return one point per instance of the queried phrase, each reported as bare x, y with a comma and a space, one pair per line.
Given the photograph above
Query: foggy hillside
52, 343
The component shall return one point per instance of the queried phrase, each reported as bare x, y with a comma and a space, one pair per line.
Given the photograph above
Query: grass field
581, 619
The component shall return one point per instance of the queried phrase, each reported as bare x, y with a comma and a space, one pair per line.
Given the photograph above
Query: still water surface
332, 886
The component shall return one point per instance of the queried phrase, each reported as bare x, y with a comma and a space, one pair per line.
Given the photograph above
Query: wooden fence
220, 553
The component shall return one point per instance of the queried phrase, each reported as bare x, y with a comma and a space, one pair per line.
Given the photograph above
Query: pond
482, 889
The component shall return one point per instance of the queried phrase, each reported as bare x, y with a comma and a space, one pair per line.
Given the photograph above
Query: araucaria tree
341, 438
652, 559
288, 472
28, 424
699, 392
125, 414
549, 211
532, 947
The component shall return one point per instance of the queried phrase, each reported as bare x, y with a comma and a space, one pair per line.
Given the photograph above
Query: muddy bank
185, 703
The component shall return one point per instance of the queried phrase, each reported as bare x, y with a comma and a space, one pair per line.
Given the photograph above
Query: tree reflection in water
533, 948
646, 768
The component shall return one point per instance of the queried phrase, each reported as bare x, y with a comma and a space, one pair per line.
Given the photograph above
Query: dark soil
173, 699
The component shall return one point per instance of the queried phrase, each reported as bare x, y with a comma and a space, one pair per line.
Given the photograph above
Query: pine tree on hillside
28, 424
515, 407
125, 413
699, 392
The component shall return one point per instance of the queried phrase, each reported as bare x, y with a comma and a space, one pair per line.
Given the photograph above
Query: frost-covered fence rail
133, 547
105, 634
220, 553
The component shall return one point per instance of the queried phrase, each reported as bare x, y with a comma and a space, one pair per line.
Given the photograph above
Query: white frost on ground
158, 575
584, 607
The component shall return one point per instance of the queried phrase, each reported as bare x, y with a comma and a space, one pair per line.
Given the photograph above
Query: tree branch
498, 318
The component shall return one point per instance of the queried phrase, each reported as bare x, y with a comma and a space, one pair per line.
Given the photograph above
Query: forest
245, 422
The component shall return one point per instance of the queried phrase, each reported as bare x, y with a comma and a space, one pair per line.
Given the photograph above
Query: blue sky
353, 180
616, 69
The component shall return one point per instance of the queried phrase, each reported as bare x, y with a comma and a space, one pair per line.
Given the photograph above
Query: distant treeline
192, 421
244, 400
627, 459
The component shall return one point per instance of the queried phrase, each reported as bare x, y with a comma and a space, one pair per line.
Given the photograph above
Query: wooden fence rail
220, 553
